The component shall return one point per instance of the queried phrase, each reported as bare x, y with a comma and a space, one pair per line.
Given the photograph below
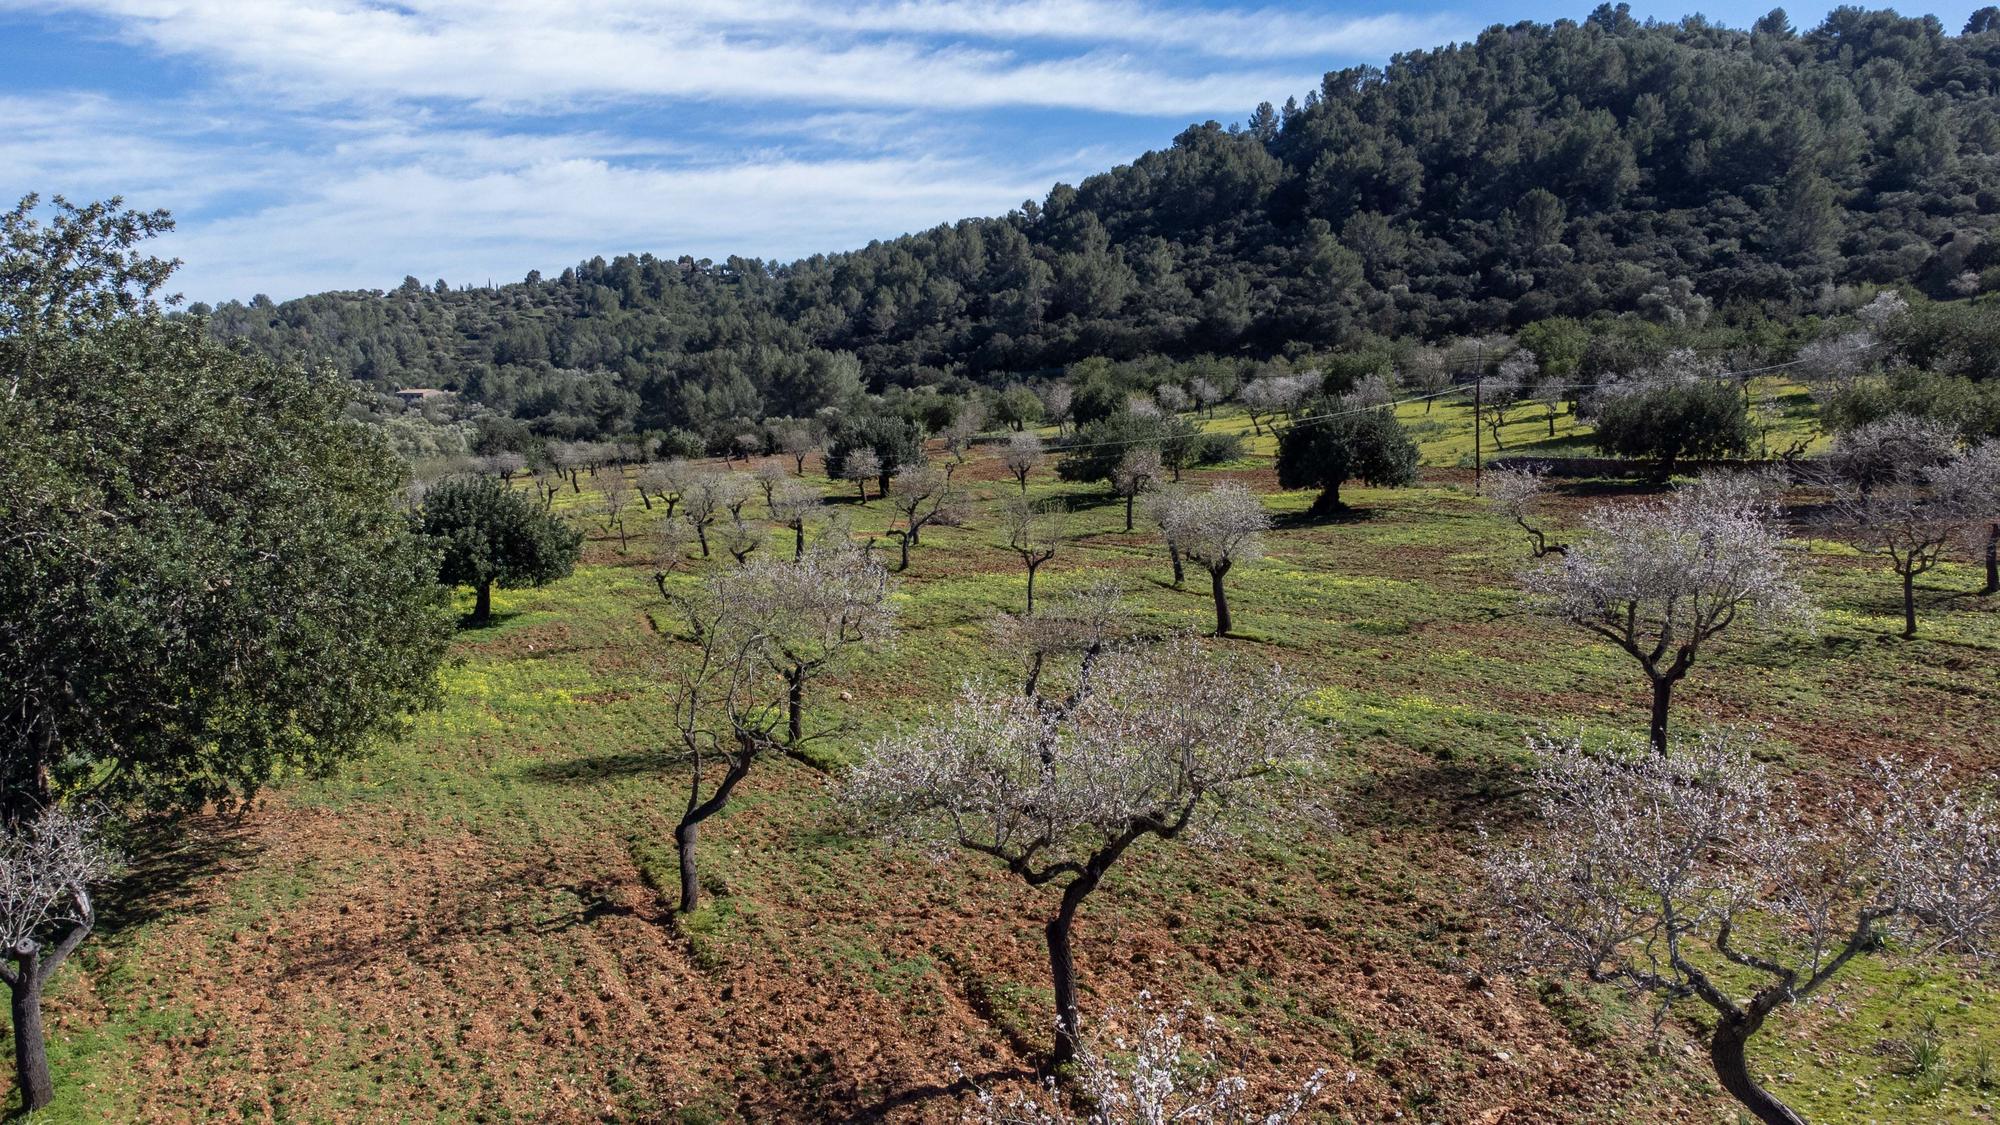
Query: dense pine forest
1676, 175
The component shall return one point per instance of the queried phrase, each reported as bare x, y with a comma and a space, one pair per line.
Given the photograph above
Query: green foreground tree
204, 576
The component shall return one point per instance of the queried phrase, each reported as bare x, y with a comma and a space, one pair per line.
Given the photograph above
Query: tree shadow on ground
1458, 795
1324, 517
913, 1096
510, 904
1599, 488
467, 625
167, 856
615, 765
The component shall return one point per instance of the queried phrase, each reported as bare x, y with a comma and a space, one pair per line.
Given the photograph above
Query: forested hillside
1676, 173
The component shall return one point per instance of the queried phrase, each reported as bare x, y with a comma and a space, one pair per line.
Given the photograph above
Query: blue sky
345, 143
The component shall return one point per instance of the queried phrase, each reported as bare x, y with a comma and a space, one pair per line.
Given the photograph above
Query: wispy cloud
371, 200
343, 143
927, 53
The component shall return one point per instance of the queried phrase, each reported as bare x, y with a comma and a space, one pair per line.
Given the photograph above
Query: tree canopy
204, 577
488, 535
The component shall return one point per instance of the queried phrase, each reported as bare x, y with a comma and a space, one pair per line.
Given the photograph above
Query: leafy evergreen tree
1671, 422
1334, 444
491, 535
894, 441
205, 578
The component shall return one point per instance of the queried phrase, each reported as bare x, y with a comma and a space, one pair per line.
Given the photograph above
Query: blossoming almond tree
1218, 529
1693, 874
1162, 743
761, 633
48, 867
1660, 579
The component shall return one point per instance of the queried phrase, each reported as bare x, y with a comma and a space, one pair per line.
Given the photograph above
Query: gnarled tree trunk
1726, 1051
1223, 624
31, 1060
1062, 972
1909, 603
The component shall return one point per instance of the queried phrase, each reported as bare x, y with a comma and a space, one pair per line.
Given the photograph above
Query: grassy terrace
468, 925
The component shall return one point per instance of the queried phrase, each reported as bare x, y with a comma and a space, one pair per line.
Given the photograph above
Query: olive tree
1134, 473
1671, 418
490, 535
1036, 532
1160, 743
1661, 578
1517, 494
1336, 441
1219, 529
923, 495
1693, 873
206, 575
1021, 454
48, 867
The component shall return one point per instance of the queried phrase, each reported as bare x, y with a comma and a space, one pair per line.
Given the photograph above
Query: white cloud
1263, 33
368, 226
344, 143
522, 54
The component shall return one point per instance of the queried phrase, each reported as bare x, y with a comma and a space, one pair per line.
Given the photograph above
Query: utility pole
1478, 443
1478, 402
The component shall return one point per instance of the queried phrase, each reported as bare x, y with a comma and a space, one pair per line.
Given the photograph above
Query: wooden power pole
1478, 441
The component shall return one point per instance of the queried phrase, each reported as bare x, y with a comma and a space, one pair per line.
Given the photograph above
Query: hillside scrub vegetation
1676, 175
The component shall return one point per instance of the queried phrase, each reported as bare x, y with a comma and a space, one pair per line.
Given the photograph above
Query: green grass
483, 855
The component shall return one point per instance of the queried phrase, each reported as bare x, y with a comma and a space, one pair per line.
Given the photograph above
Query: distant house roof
419, 394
